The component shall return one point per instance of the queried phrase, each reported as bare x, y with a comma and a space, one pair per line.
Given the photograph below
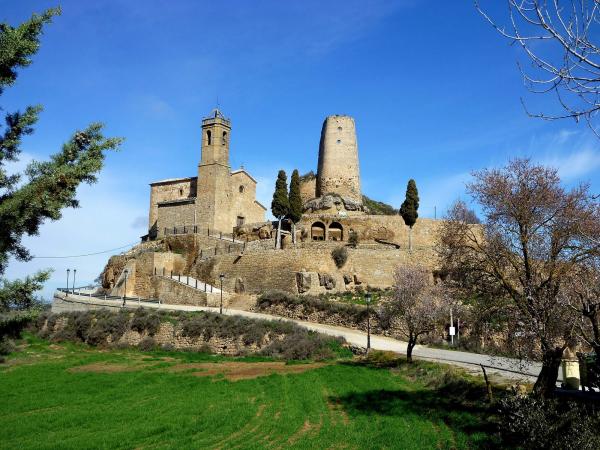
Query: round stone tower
338, 171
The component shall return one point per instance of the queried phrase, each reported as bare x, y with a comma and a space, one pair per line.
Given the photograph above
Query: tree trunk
546, 381
410, 239
412, 341
294, 233
278, 238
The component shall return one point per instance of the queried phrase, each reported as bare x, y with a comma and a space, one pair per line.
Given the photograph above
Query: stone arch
336, 231
317, 231
208, 137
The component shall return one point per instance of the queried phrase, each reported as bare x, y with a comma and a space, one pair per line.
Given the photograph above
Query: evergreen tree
50, 185
295, 212
409, 208
280, 205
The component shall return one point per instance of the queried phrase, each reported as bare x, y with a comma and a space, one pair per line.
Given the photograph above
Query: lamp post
67, 290
126, 272
74, 272
221, 276
368, 300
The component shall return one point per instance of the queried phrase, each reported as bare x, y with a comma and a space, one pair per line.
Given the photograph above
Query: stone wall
387, 228
176, 214
262, 270
171, 335
173, 292
167, 191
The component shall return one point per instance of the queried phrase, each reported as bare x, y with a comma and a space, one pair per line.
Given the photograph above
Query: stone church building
217, 199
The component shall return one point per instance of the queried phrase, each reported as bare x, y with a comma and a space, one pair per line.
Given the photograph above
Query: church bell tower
213, 200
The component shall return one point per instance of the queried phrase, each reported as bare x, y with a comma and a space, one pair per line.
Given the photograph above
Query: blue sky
433, 89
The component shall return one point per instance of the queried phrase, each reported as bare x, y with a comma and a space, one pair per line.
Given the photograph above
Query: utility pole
74, 272
451, 328
67, 290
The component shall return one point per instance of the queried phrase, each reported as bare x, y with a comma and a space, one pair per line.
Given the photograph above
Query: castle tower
213, 199
338, 171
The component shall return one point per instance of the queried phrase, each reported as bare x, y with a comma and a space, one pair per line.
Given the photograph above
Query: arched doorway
317, 231
336, 231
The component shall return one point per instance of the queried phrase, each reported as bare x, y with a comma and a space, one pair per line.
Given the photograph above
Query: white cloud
575, 164
572, 153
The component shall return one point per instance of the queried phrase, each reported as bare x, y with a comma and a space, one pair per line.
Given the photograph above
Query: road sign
452, 331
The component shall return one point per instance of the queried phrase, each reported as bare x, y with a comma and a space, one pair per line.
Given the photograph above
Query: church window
180, 191
240, 221
339, 141
208, 137
242, 189
224, 137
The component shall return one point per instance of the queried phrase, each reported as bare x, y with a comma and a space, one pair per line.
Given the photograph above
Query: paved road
505, 367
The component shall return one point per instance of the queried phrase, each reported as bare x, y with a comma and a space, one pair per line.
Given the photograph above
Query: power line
87, 254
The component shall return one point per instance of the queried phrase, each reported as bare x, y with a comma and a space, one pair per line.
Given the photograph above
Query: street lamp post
74, 272
368, 300
221, 276
67, 290
126, 272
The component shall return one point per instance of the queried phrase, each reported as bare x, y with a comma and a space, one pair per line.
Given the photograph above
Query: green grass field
73, 396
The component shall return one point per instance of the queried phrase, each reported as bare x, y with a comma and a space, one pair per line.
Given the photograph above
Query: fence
185, 279
104, 296
195, 229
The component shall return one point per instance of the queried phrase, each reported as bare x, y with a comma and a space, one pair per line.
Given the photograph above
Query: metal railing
186, 280
104, 296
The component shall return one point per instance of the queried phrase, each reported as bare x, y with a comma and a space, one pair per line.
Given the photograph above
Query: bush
13, 323
143, 320
301, 345
379, 358
349, 312
7, 346
340, 256
289, 341
147, 344
531, 423
353, 239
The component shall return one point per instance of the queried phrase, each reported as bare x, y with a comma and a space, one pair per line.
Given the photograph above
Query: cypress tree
409, 208
295, 212
280, 205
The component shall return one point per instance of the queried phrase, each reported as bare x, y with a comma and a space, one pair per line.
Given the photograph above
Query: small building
217, 199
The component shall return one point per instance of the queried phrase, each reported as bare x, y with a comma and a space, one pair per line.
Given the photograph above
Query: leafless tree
535, 236
418, 304
585, 299
558, 38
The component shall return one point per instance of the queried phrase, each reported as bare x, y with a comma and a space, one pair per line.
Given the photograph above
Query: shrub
7, 346
351, 313
380, 358
168, 347
147, 344
340, 256
353, 239
532, 422
145, 321
300, 345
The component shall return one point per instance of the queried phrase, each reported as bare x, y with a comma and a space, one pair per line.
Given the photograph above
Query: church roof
172, 180
235, 172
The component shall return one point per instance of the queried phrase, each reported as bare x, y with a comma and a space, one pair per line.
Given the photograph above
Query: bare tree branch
558, 37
